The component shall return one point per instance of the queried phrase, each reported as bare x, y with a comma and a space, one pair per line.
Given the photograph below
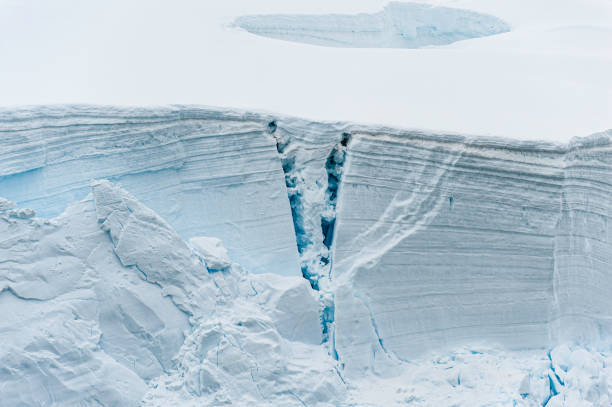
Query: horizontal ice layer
583, 243
442, 240
399, 25
207, 172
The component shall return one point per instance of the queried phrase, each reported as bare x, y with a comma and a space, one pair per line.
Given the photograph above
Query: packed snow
547, 78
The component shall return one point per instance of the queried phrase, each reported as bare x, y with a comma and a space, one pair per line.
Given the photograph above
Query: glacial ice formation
398, 25
198, 169
406, 267
475, 240
106, 298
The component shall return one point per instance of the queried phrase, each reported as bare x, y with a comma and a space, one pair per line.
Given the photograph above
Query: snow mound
399, 25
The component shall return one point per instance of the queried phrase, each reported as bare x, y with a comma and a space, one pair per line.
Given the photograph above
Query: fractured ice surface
398, 25
107, 299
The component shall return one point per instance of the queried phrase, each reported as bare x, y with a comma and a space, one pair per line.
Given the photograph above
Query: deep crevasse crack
311, 198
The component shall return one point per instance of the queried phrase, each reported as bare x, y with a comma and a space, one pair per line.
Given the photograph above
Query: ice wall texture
443, 240
398, 25
199, 169
437, 240
583, 242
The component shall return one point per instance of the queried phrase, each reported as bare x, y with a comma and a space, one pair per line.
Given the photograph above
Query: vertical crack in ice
328, 311
334, 166
293, 183
554, 381
314, 246
315, 257
390, 354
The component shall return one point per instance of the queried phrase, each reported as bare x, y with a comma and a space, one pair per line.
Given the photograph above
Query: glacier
476, 240
190, 255
165, 157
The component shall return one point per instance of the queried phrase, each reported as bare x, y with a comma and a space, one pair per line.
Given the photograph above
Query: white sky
550, 78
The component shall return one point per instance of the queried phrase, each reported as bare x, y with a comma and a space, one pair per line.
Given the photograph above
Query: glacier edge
485, 240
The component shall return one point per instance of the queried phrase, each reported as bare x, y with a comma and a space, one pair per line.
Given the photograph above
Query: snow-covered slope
547, 78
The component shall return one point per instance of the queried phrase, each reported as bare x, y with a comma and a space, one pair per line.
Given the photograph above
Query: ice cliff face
180, 162
397, 244
445, 240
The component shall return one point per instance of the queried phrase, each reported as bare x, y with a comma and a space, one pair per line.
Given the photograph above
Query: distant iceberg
399, 25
